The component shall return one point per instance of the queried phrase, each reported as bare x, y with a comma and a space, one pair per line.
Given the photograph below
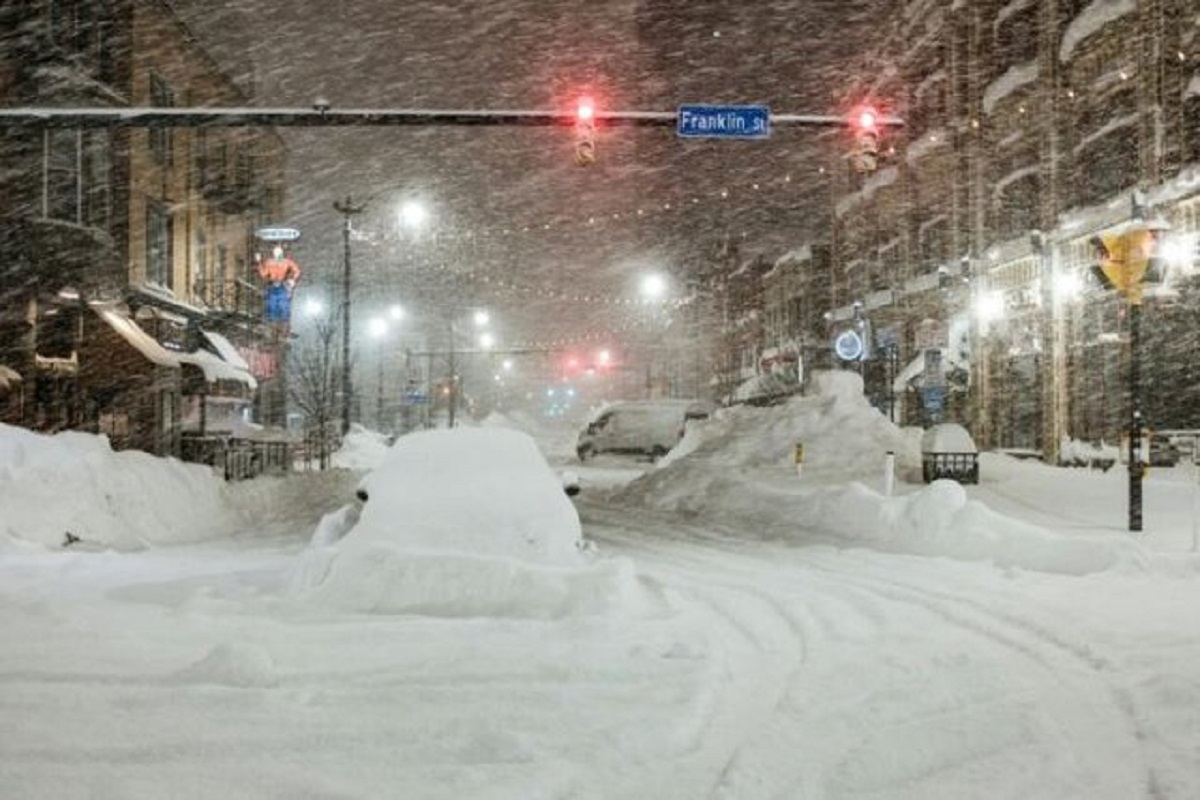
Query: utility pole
453, 376
347, 209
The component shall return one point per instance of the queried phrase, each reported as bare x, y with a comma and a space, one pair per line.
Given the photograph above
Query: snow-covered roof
881, 179
927, 143
1013, 79
1109, 127
1012, 178
1010, 9
801, 253
1098, 14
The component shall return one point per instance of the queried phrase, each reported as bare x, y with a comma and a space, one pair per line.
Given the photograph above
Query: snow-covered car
639, 427
484, 491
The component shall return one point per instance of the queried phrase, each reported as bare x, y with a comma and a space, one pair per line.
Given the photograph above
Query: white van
640, 427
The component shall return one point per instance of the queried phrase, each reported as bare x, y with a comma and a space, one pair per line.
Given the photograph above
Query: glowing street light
482, 318
377, 327
654, 286
413, 214
396, 312
313, 307
487, 340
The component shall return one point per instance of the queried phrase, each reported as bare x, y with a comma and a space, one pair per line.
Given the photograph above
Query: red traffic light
586, 110
868, 120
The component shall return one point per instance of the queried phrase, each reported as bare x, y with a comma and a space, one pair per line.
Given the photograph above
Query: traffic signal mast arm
152, 117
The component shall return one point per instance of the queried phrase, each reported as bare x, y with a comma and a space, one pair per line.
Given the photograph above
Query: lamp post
412, 214
348, 209
378, 330
481, 319
653, 288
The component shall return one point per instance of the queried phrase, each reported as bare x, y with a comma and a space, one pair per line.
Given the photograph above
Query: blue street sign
849, 345
277, 234
723, 122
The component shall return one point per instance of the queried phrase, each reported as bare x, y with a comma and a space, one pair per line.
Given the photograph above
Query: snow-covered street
732, 631
763, 670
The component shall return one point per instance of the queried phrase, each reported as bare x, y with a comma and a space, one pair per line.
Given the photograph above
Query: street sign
723, 122
277, 234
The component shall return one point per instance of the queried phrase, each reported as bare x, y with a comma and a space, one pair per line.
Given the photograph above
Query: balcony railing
231, 297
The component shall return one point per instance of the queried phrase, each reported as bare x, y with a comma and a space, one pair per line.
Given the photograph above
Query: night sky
478, 183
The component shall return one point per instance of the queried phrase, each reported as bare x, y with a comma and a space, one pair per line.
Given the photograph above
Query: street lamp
486, 341
378, 328
348, 209
653, 288
412, 214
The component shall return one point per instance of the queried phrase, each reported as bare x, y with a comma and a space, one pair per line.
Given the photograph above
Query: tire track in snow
740, 566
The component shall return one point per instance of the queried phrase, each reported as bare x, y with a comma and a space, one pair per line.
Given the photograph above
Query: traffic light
1127, 261
585, 132
865, 157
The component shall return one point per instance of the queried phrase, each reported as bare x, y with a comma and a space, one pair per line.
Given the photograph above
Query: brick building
128, 304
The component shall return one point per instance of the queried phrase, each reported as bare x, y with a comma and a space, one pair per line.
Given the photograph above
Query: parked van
639, 427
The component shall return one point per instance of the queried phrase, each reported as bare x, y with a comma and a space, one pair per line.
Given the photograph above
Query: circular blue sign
849, 345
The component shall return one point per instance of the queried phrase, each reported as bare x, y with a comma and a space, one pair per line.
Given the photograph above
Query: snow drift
74, 483
737, 470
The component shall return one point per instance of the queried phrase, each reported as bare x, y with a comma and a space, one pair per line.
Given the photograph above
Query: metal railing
238, 459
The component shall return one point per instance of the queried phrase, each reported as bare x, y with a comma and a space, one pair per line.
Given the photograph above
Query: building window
1017, 204
1107, 165
202, 287
1017, 36
61, 194
97, 179
161, 96
159, 233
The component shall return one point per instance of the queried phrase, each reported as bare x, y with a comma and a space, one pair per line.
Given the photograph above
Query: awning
217, 369
226, 350
9, 378
213, 366
914, 368
143, 342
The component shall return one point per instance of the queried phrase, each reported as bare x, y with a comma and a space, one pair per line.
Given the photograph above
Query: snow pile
736, 471
555, 436
362, 449
462, 522
73, 483
843, 437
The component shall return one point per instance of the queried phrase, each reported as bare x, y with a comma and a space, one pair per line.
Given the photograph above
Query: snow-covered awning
9, 378
132, 333
213, 366
916, 367
1090, 20
217, 369
226, 350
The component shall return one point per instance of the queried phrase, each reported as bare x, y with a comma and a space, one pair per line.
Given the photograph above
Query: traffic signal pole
1136, 467
323, 117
